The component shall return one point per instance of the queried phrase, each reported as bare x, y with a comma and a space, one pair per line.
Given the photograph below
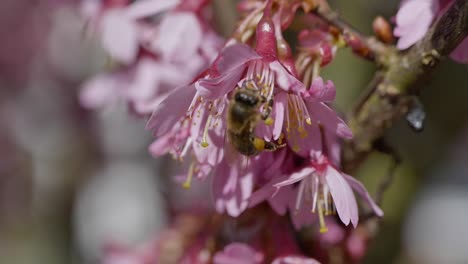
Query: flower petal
294, 259
161, 145
233, 57
146, 81
231, 188
213, 88
102, 90
295, 177
213, 153
320, 91
179, 37
284, 79
280, 103
413, 20
119, 36
302, 216
238, 253
333, 147
303, 144
359, 188
326, 116
262, 194
343, 197
145, 8
165, 116
280, 200
277, 198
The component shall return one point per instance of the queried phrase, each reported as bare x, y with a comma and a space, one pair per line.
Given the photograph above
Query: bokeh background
73, 179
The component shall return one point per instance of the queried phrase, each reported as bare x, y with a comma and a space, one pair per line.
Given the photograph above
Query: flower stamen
185, 149
299, 196
188, 181
323, 226
204, 142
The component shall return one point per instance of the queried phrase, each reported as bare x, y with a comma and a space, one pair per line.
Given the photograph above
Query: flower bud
266, 40
382, 29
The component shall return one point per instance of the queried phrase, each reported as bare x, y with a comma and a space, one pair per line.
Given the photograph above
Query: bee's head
246, 97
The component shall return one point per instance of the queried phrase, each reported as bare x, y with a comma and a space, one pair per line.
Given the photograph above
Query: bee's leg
272, 146
267, 108
262, 145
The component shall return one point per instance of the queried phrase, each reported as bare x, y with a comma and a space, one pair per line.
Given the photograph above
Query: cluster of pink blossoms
304, 176
161, 52
153, 46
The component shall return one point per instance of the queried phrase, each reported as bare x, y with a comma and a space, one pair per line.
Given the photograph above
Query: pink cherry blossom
238, 253
203, 120
300, 115
232, 186
295, 260
318, 44
294, 106
116, 254
192, 130
414, 19
197, 126
323, 189
303, 134
240, 63
203, 110
155, 55
329, 189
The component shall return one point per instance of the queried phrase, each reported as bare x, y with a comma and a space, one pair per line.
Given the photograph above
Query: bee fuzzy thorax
246, 108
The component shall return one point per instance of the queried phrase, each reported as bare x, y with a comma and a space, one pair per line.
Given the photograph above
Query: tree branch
390, 95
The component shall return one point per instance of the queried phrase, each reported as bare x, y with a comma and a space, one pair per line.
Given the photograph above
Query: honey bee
242, 117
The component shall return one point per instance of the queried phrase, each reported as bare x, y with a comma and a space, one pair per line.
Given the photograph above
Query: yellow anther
259, 144
280, 139
204, 144
269, 121
308, 121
